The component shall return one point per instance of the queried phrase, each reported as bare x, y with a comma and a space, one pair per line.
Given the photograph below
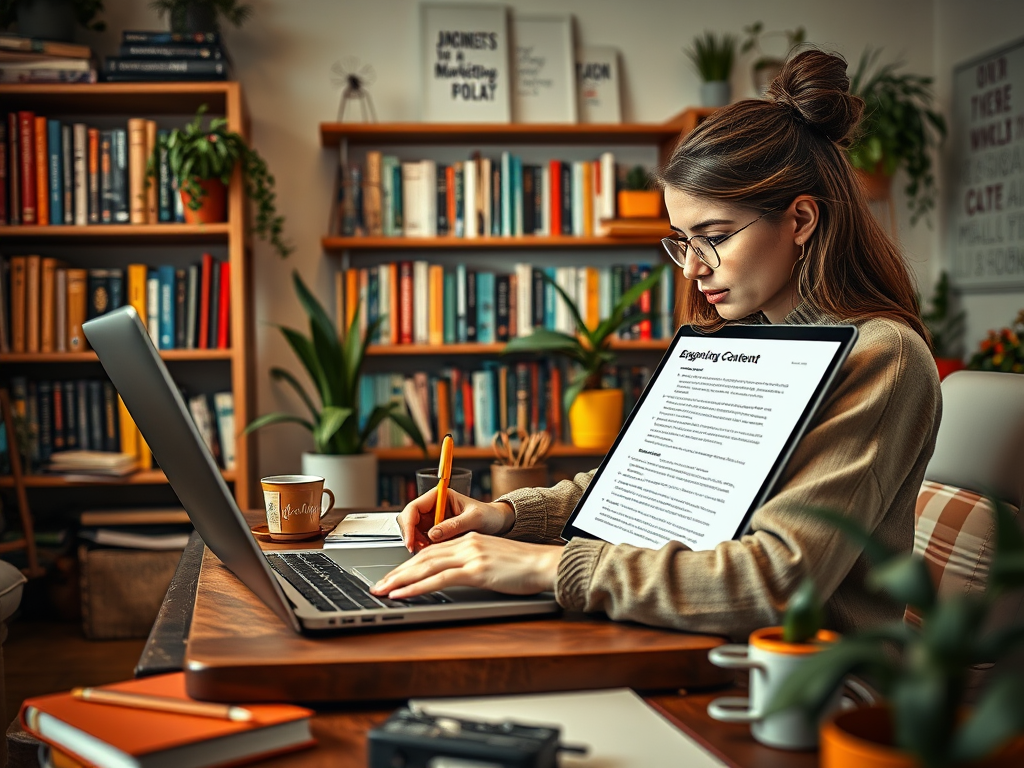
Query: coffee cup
771, 660
294, 504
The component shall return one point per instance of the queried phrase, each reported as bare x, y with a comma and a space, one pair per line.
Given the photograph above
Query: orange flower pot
862, 738
877, 185
640, 204
212, 209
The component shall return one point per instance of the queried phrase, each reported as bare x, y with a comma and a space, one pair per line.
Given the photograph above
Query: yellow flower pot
595, 418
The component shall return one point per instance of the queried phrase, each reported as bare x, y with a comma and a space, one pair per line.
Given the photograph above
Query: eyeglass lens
702, 248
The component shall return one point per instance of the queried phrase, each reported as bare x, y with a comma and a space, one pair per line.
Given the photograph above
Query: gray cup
461, 480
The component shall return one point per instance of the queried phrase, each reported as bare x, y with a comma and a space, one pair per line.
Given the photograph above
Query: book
97, 733
93, 167
42, 170
67, 172
13, 169
117, 69
48, 305
80, 172
137, 171
44, 48
152, 213
134, 516
224, 409
166, 277
170, 51
27, 166
33, 299
224, 306
55, 171
165, 38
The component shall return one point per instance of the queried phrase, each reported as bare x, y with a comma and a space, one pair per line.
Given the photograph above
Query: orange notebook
146, 737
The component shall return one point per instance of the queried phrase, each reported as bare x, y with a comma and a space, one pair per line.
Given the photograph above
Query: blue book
164, 189
461, 325
165, 276
485, 311
517, 196
373, 301
55, 169
506, 194
550, 299
366, 401
450, 321
115, 288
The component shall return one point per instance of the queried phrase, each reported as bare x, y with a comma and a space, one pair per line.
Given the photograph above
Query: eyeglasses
702, 245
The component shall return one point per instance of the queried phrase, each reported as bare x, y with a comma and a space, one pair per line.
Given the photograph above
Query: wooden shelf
474, 452
120, 98
398, 350
141, 233
331, 243
90, 357
148, 477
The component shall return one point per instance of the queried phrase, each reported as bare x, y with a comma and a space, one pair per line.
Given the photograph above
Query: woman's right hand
464, 514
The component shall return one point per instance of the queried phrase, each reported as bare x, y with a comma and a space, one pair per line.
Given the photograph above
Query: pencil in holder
505, 478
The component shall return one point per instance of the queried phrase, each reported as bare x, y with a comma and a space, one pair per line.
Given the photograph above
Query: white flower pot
715, 93
352, 478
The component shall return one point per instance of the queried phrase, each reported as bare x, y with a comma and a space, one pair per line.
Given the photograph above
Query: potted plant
766, 67
712, 57
1001, 350
595, 414
51, 19
190, 16
945, 327
899, 131
201, 161
926, 721
339, 436
636, 200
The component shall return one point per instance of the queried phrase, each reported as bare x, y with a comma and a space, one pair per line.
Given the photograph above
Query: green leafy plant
637, 179
804, 614
925, 683
944, 324
334, 366
899, 128
590, 349
713, 56
196, 153
85, 13
178, 10
1001, 350
755, 33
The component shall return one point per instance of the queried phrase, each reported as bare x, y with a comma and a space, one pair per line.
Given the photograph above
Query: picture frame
543, 63
985, 191
465, 63
597, 78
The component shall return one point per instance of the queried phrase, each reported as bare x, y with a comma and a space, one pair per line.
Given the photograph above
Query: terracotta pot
948, 365
862, 738
596, 417
212, 209
505, 479
640, 204
877, 185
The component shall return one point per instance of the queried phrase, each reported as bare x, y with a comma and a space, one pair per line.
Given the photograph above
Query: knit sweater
864, 454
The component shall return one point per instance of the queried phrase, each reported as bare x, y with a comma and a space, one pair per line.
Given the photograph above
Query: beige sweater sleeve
864, 456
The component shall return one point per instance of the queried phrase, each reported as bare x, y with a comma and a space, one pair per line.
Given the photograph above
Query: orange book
18, 264
136, 295
151, 192
555, 404
137, 171
593, 314
449, 186
435, 305
351, 295
78, 293
42, 172
33, 299
588, 199
129, 432
87, 731
93, 178
48, 305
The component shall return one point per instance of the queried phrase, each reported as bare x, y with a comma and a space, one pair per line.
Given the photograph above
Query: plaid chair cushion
954, 530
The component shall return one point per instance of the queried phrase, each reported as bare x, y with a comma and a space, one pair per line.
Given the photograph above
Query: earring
803, 251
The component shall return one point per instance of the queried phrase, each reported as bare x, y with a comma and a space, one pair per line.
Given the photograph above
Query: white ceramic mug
770, 661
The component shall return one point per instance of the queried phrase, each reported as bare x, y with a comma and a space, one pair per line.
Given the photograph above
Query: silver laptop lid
141, 378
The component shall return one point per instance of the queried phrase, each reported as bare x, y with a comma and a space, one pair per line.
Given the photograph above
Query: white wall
283, 58
963, 31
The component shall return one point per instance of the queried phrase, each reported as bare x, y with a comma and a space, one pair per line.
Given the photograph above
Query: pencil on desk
163, 704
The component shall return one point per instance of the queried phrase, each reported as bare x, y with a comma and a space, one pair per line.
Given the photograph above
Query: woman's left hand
475, 560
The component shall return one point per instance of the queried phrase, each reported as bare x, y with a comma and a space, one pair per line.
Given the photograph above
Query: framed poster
597, 77
465, 63
986, 190
545, 78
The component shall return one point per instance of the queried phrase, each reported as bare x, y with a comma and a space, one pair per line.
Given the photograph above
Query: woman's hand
503, 565
464, 514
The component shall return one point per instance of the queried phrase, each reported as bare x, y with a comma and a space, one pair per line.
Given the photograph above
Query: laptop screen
710, 435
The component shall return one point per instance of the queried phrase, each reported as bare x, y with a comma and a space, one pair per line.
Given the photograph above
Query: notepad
365, 529
618, 728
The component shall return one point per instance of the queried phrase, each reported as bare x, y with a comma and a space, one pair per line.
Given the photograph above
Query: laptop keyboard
329, 587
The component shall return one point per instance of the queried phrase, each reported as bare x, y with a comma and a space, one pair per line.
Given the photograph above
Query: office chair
979, 453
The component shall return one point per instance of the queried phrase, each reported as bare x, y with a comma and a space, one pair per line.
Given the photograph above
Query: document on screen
713, 429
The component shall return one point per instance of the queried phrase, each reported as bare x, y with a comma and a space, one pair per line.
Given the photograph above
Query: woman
771, 227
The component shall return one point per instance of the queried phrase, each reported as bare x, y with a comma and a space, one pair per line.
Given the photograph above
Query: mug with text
771, 660
294, 504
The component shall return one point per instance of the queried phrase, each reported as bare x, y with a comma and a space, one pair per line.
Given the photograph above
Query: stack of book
93, 463
166, 56
23, 60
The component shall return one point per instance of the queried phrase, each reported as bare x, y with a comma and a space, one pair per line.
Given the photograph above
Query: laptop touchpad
374, 573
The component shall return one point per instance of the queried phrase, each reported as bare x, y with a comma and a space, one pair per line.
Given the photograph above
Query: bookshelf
412, 141
115, 245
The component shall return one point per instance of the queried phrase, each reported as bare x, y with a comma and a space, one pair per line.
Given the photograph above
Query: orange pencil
444, 477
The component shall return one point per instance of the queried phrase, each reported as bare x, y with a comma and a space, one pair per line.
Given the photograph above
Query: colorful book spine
55, 171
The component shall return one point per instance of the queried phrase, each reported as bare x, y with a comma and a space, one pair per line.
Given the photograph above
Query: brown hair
762, 154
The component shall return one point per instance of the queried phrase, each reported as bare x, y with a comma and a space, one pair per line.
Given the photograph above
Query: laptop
711, 434
312, 590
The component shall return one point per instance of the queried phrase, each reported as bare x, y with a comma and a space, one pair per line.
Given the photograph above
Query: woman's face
758, 265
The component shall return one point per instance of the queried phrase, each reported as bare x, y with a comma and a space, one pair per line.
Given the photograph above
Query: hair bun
814, 85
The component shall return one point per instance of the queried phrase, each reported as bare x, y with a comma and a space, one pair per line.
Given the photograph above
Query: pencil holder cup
505, 478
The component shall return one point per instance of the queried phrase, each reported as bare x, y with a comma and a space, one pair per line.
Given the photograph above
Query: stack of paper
93, 463
365, 529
